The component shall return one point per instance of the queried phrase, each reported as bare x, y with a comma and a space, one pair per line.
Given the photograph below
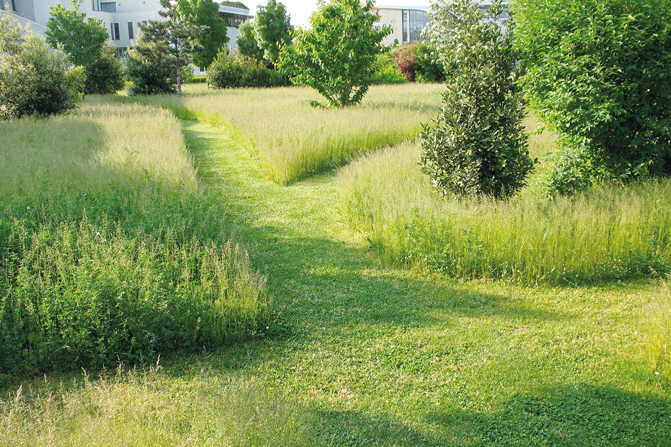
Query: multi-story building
122, 18
408, 22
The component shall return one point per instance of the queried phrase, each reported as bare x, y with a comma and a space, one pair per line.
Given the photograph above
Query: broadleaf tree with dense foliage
82, 39
476, 146
214, 36
598, 72
337, 55
262, 38
34, 79
84, 42
163, 50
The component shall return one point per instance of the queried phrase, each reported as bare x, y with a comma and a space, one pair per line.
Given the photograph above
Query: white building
122, 18
409, 21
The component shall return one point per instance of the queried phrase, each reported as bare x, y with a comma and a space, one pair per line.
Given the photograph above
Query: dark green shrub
236, 70
476, 146
598, 72
150, 73
34, 80
104, 75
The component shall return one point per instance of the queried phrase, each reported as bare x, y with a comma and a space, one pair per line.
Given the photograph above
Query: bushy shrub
406, 61
428, 68
236, 70
476, 145
386, 71
150, 74
34, 80
598, 72
417, 61
104, 75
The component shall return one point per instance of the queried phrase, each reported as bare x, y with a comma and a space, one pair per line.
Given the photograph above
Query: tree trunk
179, 82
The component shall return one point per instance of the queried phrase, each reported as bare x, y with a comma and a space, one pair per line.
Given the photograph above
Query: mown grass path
374, 355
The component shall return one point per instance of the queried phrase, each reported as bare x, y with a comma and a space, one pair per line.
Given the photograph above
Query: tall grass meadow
110, 249
293, 140
609, 233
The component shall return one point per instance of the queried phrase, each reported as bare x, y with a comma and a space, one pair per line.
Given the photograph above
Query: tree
270, 31
34, 80
205, 13
84, 43
81, 39
150, 70
246, 41
165, 46
233, 4
105, 74
337, 56
598, 72
476, 146
272, 28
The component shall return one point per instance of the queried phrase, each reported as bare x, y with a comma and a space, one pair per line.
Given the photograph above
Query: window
13, 5
418, 20
131, 36
108, 7
95, 5
405, 25
121, 52
114, 28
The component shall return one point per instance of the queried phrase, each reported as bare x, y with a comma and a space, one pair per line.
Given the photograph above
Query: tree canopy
270, 30
82, 39
598, 72
337, 55
204, 13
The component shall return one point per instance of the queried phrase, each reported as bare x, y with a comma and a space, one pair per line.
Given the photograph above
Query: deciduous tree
337, 55
205, 13
82, 39
598, 72
263, 38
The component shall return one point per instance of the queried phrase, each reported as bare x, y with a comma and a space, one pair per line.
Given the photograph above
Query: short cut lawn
367, 353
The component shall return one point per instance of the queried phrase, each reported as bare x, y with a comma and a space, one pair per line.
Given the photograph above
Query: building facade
122, 18
408, 22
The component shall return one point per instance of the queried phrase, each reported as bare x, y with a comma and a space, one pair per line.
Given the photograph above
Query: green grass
371, 354
608, 233
110, 249
293, 140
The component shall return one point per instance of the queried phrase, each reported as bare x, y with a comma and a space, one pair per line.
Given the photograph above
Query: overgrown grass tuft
147, 407
109, 248
293, 140
609, 233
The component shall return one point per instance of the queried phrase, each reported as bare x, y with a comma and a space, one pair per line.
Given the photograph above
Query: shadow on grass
584, 415
555, 417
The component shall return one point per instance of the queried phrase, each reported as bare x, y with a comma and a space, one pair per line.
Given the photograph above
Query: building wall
394, 15
417, 19
133, 11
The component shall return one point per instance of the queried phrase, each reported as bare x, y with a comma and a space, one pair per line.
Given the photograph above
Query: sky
300, 10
